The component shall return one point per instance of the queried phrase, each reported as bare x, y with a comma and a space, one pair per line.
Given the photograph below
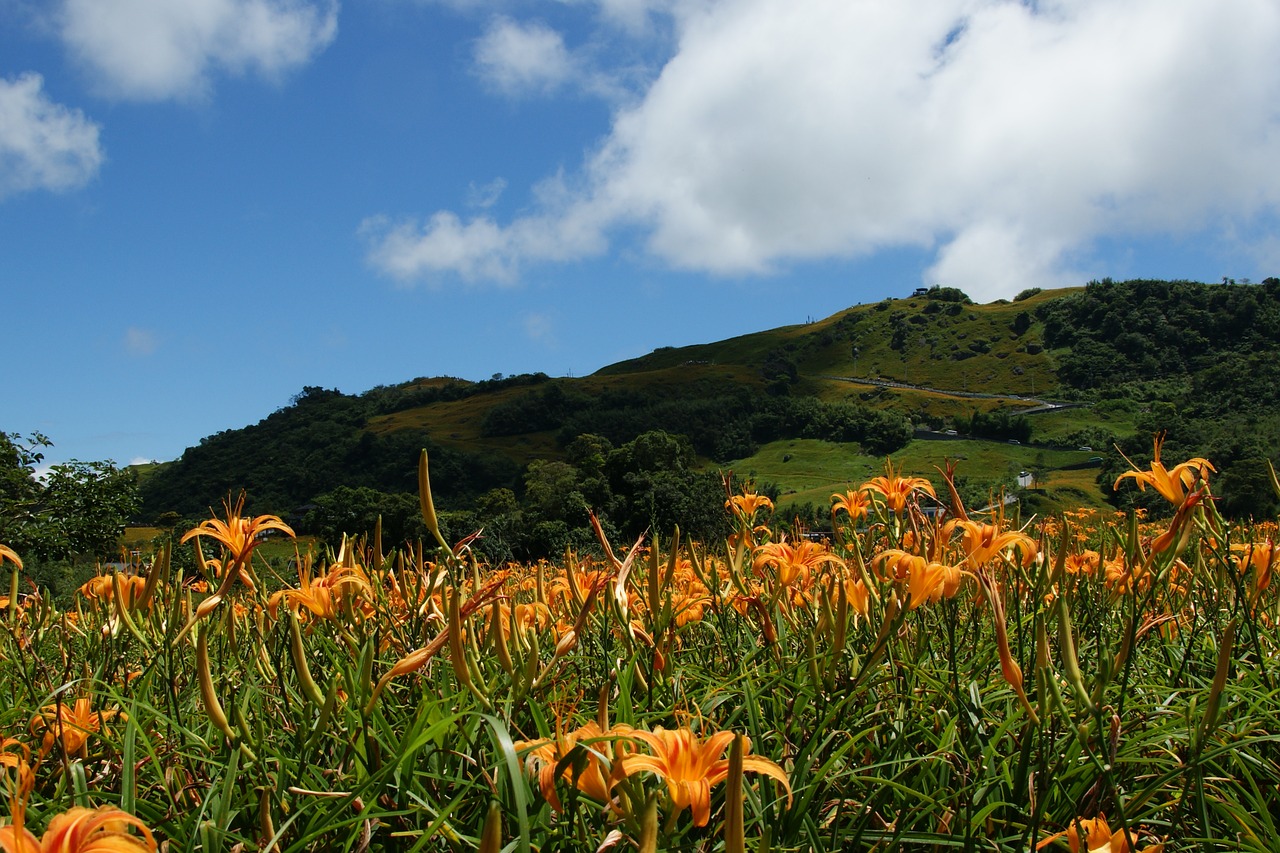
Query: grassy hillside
813, 408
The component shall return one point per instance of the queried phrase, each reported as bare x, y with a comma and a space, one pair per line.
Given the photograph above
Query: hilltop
803, 409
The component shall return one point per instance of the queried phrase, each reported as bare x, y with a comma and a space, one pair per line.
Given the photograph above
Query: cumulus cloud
160, 49
43, 145
1002, 137
518, 58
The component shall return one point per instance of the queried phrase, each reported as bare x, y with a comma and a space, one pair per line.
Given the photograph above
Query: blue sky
206, 205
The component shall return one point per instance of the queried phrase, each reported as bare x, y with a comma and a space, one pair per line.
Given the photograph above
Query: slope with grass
934, 359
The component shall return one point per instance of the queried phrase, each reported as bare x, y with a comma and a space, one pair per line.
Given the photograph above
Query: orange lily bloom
13, 752
982, 542
896, 489
81, 830
239, 535
1174, 484
1095, 836
855, 504
72, 724
1262, 556
691, 765
102, 588
595, 779
793, 563
924, 580
748, 504
1086, 562
323, 597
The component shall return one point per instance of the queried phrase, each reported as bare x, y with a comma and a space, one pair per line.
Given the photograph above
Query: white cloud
1005, 137
517, 58
161, 49
139, 341
43, 145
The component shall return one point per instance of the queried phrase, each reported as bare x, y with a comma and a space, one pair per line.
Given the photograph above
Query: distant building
921, 291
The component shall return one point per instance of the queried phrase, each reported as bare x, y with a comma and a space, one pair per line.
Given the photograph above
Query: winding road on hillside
1038, 405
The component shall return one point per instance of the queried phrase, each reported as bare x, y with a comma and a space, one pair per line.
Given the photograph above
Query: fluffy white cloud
161, 49
1003, 136
43, 145
517, 58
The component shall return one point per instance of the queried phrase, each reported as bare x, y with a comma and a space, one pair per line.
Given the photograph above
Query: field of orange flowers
926, 681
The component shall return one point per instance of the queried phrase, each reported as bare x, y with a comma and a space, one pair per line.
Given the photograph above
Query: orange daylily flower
72, 724
81, 830
691, 765
1095, 836
239, 535
1086, 562
923, 580
896, 489
982, 542
748, 504
1175, 483
13, 752
596, 780
102, 588
792, 563
1262, 556
323, 596
855, 504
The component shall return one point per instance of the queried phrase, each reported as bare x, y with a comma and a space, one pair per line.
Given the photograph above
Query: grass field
809, 471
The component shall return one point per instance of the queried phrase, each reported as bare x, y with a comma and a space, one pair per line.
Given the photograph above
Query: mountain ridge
918, 360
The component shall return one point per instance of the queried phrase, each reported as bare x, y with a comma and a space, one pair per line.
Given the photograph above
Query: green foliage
1117, 332
307, 449
948, 294
354, 511
76, 510
1000, 424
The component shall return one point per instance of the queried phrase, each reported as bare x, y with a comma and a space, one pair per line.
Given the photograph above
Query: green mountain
804, 410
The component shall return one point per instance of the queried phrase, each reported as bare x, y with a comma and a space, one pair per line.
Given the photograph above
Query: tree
19, 488
75, 510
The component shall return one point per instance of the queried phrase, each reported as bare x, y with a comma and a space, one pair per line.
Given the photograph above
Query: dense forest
1198, 362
